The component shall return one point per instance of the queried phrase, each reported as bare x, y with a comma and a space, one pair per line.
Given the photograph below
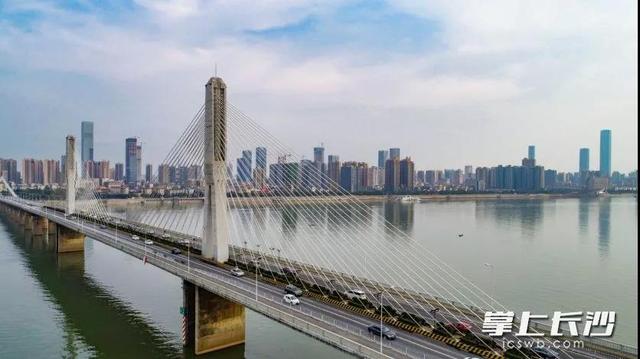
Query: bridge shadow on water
109, 326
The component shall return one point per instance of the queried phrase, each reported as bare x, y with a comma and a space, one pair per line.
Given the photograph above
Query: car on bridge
383, 331
175, 251
166, 235
289, 271
135, 238
292, 289
237, 272
291, 299
148, 242
355, 293
544, 352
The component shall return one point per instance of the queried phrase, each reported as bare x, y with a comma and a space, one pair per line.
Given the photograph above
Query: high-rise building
244, 166
318, 155
101, 169
583, 168
118, 172
32, 171
261, 158
532, 152
333, 170
50, 172
148, 173
383, 156
164, 174
392, 175
9, 170
584, 160
605, 153
131, 160
86, 142
139, 163
407, 174
394, 153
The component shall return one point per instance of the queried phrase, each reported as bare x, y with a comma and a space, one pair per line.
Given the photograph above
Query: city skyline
449, 96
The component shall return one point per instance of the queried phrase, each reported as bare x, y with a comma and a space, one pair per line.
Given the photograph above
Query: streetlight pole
257, 263
188, 255
381, 332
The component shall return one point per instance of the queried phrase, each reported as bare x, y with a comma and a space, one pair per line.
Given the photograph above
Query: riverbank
270, 201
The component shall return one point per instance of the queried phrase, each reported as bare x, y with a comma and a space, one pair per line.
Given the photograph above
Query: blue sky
449, 82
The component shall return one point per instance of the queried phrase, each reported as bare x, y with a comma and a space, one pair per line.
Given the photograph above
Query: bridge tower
215, 239
70, 175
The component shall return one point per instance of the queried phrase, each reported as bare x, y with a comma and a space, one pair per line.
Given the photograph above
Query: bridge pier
211, 322
68, 240
40, 226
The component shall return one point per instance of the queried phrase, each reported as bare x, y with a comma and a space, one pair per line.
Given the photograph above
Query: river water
538, 255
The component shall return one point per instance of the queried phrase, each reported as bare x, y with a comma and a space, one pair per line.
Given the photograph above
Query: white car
134, 237
355, 293
166, 235
291, 299
237, 272
148, 242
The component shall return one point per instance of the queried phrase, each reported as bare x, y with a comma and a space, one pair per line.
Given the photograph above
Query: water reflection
604, 224
584, 206
527, 214
400, 215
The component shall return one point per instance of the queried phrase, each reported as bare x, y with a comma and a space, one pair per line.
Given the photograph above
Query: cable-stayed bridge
350, 282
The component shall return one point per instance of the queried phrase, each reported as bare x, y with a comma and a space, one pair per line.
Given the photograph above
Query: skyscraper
260, 172
244, 166
318, 155
86, 138
407, 174
148, 173
532, 152
139, 163
383, 156
261, 158
394, 153
583, 168
333, 170
131, 160
118, 172
605, 153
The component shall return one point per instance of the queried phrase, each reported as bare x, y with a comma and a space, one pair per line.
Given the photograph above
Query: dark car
384, 331
545, 353
292, 289
175, 251
289, 271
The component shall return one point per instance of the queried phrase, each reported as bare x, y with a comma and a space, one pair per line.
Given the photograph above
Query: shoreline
269, 201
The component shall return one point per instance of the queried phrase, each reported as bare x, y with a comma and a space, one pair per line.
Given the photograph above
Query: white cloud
520, 67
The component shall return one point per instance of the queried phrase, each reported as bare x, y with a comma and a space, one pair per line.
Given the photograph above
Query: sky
449, 82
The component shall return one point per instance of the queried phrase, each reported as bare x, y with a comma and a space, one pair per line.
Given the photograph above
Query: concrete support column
27, 221
40, 226
70, 175
68, 240
211, 322
215, 239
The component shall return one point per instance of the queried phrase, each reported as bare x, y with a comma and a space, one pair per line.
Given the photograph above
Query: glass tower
605, 153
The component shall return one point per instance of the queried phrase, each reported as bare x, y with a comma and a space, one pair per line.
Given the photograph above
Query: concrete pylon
215, 239
70, 175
